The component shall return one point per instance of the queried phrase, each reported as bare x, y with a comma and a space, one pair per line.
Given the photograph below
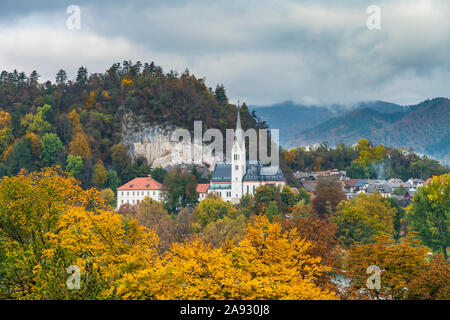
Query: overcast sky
263, 51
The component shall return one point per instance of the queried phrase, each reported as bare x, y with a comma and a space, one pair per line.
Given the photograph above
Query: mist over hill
424, 128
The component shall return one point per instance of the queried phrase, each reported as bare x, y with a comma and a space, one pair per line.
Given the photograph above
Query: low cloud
265, 51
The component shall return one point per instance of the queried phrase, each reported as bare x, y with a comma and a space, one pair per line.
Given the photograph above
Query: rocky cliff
153, 141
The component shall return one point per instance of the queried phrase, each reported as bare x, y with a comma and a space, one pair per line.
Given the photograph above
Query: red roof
142, 184
428, 180
202, 187
351, 182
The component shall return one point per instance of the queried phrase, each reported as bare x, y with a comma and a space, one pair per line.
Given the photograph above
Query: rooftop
147, 183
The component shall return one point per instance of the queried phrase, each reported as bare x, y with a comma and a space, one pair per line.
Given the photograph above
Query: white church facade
232, 180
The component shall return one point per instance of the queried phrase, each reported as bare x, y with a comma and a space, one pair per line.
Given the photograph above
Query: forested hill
425, 128
76, 123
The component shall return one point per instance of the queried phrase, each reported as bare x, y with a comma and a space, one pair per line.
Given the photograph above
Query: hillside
43, 124
424, 128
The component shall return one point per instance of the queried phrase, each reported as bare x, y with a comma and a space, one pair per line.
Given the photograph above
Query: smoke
379, 168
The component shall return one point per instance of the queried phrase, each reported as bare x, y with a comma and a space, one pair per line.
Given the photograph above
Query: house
416, 182
202, 190
231, 180
137, 189
310, 187
395, 182
349, 185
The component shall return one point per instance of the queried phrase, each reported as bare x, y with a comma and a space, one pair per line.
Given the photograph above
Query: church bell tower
238, 160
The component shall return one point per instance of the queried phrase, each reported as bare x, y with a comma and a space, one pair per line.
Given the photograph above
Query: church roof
254, 172
222, 172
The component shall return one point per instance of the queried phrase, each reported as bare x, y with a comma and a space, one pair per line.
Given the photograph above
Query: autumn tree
30, 208
79, 146
402, 264
179, 190
329, 195
322, 234
109, 196
267, 264
211, 209
225, 230
99, 175
152, 215
429, 214
362, 218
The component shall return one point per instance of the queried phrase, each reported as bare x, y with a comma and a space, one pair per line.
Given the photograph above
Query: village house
137, 189
202, 190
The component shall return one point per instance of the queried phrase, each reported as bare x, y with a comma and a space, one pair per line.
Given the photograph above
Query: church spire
239, 133
238, 120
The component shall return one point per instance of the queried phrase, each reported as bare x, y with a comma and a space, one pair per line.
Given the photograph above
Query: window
248, 189
236, 168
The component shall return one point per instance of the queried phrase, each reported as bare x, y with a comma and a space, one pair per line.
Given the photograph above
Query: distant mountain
292, 119
425, 127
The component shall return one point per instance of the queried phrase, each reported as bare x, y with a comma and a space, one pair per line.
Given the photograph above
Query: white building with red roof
202, 190
137, 189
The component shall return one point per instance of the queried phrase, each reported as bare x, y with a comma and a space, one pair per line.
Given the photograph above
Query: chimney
149, 176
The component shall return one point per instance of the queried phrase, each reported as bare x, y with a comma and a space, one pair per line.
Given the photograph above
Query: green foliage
35, 123
362, 218
113, 180
179, 190
359, 161
20, 157
212, 209
158, 174
272, 210
429, 214
51, 146
399, 191
358, 170
400, 214
74, 164
303, 195
288, 196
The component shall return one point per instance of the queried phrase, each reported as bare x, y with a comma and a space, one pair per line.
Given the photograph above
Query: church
232, 180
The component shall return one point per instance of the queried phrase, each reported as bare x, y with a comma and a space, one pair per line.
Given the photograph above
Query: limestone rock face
156, 144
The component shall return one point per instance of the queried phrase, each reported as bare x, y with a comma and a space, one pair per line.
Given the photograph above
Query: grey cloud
264, 51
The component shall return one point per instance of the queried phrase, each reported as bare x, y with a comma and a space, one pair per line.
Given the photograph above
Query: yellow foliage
5, 119
267, 264
79, 146
126, 82
90, 102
